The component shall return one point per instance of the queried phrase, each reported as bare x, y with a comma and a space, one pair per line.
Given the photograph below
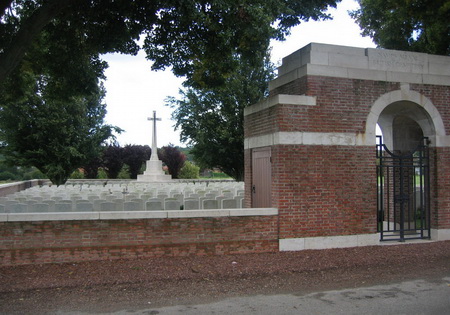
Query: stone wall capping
363, 64
253, 211
198, 213
306, 138
55, 216
300, 100
131, 215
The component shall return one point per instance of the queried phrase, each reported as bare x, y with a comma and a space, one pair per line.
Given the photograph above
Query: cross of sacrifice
154, 156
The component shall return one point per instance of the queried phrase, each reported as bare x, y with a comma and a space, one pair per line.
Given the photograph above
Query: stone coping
363, 64
345, 241
132, 215
286, 99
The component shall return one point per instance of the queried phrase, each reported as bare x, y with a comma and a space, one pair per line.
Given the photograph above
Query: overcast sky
134, 91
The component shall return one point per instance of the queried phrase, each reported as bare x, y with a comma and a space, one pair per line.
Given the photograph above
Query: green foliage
124, 173
33, 174
211, 119
411, 25
189, 171
102, 174
47, 125
7, 176
198, 39
52, 112
201, 40
15, 173
77, 174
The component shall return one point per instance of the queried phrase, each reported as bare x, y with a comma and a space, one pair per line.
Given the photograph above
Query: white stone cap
287, 99
308, 138
125, 215
364, 64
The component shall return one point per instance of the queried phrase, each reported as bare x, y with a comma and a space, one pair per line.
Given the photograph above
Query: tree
51, 105
411, 25
53, 134
135, 156
211, 119
199, 39
173, 158
112, 160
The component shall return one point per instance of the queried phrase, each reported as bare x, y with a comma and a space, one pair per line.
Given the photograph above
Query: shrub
77, 174
189, 171
124, 173
102, 174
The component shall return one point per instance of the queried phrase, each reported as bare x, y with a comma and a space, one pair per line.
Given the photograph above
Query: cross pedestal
153, 170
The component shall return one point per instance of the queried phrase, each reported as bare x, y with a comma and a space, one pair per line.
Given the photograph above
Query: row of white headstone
130, 197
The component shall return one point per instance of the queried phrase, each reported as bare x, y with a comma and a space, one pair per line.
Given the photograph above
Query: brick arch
433, 127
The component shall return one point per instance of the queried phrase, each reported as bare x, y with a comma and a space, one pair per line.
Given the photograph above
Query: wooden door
261, 178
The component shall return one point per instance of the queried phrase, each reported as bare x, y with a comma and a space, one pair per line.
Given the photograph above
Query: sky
134, 91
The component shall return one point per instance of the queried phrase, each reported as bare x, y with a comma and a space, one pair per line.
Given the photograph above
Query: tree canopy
51, 110
39, 128
197, 38
212, 119
411, 25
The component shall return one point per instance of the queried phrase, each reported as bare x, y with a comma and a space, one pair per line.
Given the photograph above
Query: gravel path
108, 286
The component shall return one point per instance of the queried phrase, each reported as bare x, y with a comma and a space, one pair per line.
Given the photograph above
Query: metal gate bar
403, 193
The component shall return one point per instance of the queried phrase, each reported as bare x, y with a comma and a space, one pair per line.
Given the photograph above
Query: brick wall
342, 104
440, 184
324, 190
439, 96
71, 241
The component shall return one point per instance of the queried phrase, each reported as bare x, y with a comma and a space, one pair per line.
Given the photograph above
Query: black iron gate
403, 201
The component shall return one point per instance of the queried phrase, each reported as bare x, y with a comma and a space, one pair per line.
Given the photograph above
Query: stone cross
154, 156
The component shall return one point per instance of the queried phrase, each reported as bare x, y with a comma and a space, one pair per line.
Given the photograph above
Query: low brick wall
51, 238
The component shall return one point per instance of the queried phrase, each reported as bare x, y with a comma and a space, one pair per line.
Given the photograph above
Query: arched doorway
403, 172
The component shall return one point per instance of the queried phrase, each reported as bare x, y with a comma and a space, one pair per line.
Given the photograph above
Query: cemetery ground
110, 286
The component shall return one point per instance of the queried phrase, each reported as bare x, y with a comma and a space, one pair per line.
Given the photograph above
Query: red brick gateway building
312, 152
